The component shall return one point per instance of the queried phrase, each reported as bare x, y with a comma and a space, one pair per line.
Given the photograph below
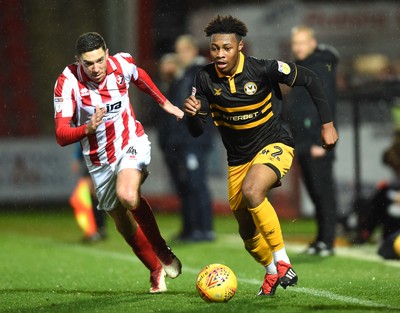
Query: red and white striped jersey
76, 96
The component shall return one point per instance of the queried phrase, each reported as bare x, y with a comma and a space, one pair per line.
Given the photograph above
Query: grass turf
44, 268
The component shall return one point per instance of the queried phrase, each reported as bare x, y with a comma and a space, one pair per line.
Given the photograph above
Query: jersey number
277, 153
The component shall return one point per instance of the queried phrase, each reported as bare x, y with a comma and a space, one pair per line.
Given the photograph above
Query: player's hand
172, 109
329, 136
95, 120
191, 106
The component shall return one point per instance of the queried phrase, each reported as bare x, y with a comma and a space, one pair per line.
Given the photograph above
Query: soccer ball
216, 283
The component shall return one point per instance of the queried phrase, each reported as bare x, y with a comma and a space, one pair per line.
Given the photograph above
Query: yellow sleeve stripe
242, 108
246, 126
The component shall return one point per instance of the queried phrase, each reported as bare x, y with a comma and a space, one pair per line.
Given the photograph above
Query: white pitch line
360, 252
309, 291
363, 253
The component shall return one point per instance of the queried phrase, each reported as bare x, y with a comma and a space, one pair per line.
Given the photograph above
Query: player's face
224, 49
303, 45
94, 64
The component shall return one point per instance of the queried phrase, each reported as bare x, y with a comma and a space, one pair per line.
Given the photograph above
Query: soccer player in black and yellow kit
237, 90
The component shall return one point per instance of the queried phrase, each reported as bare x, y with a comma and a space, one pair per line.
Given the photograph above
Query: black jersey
241, 105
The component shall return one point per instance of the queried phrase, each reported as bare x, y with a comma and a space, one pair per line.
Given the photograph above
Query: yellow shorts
277, 156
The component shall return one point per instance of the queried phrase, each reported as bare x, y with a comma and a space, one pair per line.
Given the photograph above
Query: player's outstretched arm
310, 81
146, 84
172, 109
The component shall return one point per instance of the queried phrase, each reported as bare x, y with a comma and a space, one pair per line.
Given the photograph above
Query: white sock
281, 255
271, 268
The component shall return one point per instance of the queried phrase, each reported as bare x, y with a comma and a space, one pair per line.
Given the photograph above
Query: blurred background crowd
38, 38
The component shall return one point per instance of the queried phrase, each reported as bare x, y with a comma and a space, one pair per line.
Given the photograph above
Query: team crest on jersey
250, 88
217, 92
84, 92
120, 79
283, 67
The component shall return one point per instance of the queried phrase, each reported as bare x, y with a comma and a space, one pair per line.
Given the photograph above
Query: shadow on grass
74, 300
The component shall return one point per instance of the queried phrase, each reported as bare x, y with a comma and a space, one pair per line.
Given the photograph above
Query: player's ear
241, 45
106, 53
77, 58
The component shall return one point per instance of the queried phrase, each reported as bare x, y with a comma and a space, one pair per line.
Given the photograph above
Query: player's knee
129, 199
252, 195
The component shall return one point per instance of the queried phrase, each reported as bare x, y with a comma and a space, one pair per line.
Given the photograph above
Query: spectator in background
383, 208
79, 167
186, 158
316, 163
168, 70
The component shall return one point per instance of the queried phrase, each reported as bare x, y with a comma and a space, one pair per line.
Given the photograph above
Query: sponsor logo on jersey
250, 88
84, 92
58, 99
283, 67
120, 79
243, 117
113, 107
217, 92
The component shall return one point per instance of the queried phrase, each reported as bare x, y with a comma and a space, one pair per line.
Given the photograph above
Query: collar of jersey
231, 79
238, 70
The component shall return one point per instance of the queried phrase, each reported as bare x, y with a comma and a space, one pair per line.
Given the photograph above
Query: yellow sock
267, 222
259, 249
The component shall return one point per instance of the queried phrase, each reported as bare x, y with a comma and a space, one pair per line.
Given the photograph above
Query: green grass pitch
44, 268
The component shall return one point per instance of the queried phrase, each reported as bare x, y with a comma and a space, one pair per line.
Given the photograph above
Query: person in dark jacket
316, 163
383, 207
186, 158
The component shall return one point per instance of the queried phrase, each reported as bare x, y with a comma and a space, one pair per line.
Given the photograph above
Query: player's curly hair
89, 42
226, 25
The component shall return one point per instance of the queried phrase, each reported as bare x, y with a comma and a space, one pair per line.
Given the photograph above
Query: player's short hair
226, 25
89, 42
189, 39
306, 28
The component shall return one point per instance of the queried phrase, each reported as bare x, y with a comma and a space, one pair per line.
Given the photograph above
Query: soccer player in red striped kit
92, 106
